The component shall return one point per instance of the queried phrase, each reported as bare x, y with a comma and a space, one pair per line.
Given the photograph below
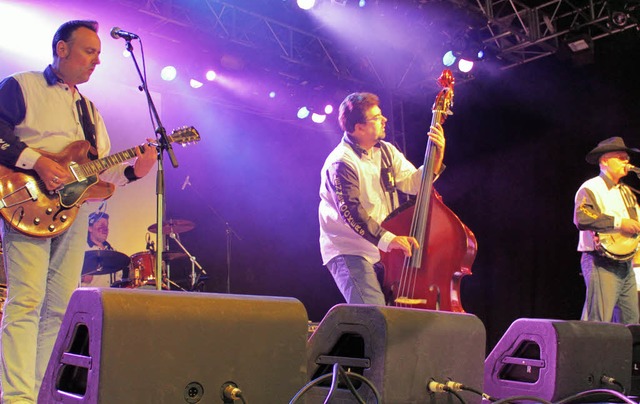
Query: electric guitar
27, 205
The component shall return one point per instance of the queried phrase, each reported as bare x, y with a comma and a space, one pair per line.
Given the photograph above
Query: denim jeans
42, 273
609, 284
357, 279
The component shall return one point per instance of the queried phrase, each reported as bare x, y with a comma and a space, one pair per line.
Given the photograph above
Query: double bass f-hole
430, 278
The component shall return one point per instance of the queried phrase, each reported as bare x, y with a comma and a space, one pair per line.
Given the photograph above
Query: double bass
431, 277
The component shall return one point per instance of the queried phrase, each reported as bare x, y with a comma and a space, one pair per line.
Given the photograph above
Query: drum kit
139, 269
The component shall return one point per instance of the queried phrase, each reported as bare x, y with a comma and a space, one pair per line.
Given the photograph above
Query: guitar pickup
76, 171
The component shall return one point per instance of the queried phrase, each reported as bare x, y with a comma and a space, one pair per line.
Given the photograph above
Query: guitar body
33, 210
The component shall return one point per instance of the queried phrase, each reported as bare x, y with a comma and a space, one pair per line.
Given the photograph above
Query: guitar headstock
444, 99
185, 135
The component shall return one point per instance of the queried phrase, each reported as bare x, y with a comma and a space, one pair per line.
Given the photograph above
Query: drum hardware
173, 226
172, 255
142, 271
230, 233
103, 262
194, 262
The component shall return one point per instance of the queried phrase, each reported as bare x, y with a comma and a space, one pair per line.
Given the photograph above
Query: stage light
211, 75
619, 18
195, 83
362, 3
306, 4
318, 118
465, 66
303, 112
328, 109
168, 73
272, 94
448, 59
465, 48
577, 46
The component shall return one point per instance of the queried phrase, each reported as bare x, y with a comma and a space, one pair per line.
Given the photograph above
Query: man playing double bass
358, 191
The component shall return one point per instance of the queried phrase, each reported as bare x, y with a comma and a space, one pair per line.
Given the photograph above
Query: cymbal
172, 255
173, 225
102, 262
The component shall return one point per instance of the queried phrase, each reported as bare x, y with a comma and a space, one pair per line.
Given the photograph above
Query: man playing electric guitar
606, 213
42, 113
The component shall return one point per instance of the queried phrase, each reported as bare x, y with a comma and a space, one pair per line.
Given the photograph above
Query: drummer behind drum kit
139, 269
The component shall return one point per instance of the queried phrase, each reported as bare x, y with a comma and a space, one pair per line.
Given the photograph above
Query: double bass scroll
431, 277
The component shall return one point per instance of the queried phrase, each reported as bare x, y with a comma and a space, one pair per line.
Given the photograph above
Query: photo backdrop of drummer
103, 266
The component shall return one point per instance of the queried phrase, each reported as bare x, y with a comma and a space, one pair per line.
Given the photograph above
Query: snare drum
142, 271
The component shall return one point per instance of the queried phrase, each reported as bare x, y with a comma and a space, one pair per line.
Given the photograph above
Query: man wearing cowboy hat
606, 213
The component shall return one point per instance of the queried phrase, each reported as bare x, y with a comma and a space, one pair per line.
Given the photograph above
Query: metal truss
517, 33
292, 47
513, 32
273, 38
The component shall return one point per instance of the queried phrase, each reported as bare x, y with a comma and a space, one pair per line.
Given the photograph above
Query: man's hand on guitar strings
52, 174
145, 160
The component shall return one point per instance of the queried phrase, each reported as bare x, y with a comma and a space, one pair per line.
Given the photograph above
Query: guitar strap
630, 201
387, 176
88, 127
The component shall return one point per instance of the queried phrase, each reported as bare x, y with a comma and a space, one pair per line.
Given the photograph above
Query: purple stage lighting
211, 75
306, 4
318, 118
168, 73
303, 112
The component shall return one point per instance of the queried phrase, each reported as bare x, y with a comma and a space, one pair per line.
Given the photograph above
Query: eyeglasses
376, 118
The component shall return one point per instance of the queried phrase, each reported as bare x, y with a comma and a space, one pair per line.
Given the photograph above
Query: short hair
67, 29
352, 110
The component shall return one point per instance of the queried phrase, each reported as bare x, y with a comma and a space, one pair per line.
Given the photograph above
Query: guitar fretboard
99, 165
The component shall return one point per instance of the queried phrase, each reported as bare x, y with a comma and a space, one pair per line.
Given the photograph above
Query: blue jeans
610, 284
357, 279
42, 273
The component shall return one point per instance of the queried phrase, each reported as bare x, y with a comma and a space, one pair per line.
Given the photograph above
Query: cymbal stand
229, 232
164, 145
193, 260
170, 282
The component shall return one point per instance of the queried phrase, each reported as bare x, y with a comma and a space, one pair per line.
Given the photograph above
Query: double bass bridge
410, 301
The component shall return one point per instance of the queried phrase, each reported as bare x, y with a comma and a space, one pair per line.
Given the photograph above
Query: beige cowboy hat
608, 145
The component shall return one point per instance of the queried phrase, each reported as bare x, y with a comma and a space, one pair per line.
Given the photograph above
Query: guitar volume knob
63, 218
49, 211
51, 227
36, 220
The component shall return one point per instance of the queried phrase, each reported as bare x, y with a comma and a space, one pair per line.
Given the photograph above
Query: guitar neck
97, 166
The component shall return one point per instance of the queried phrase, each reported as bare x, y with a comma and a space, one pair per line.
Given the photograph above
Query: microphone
151, 246
117, 33
633, 169
185, 183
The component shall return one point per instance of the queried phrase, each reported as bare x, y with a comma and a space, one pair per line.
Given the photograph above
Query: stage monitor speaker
635, 360
554, 359
399, 350
146, 346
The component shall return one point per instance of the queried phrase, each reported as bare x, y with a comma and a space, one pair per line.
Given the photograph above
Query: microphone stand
228, 233
163, 145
